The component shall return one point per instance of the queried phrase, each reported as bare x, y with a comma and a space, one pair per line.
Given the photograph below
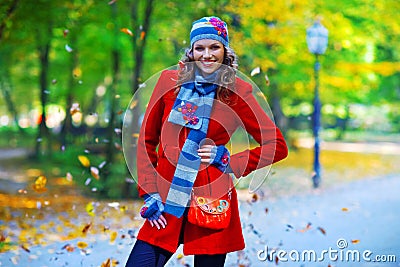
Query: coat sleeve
149, 139
272, 146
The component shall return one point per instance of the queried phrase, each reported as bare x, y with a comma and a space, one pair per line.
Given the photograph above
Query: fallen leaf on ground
81, 244
40, 184
86, 228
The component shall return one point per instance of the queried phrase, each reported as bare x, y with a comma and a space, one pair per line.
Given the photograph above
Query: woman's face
208, 55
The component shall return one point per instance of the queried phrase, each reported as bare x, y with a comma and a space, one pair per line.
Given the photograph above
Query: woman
181, 152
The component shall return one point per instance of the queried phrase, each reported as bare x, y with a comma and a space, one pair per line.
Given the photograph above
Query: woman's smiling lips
207, 63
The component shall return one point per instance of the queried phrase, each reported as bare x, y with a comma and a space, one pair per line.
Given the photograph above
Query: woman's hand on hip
205, 153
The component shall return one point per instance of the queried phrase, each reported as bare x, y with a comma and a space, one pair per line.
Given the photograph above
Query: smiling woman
207, 53
184, 162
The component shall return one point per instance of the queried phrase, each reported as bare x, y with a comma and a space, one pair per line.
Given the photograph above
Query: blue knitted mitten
153, 206
220, 157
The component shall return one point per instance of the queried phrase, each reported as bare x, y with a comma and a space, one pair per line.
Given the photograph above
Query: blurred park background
68, 70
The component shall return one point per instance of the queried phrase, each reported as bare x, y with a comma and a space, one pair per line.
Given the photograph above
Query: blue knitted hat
209, 28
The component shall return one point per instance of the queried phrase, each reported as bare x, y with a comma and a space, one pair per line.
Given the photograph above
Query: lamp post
317, 42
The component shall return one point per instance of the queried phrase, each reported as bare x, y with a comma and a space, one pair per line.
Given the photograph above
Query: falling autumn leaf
40, 184
355, 241
69, 177
102, 164
322, 230
118, 146
87, 182
68, 247
127, 31
68, 48
65, 32
75, 108
267, 80
25, 248
84, 161
95, 172
133, 104
254, 198
305, 229
345, 209
255, 71
142, 35
22, 191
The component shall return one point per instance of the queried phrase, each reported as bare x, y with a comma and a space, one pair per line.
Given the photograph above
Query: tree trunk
8, 14
43, 131
138, 47
5, 86
67, 125
115, 58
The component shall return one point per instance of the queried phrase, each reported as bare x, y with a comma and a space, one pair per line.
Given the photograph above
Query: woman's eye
199, 48
216, 47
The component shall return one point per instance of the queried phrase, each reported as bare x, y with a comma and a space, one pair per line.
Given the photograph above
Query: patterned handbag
210, 213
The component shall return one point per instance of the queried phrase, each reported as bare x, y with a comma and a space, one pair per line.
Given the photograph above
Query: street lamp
317, 42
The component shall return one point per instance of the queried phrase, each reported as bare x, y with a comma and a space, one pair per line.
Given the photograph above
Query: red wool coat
158, 150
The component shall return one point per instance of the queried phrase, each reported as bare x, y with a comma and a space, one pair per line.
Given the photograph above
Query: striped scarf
191, 109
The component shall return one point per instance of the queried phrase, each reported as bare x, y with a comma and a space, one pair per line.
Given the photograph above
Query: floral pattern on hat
219, 25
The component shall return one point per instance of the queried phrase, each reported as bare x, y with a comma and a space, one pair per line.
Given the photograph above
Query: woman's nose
207, 53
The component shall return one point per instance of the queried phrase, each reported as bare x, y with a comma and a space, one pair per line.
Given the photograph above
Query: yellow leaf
107, 263
113, 236
90, 209
81, 245
84, 161
40, 184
